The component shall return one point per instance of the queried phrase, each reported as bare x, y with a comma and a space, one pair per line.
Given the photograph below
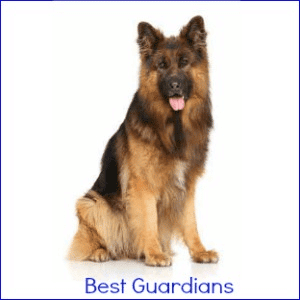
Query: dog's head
174, 69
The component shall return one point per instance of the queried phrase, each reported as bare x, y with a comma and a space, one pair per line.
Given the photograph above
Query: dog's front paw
205, 257
158, 260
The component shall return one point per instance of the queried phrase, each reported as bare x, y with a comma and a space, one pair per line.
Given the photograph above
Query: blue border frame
100, 1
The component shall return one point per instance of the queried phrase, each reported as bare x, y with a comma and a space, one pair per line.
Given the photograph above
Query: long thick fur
144, 194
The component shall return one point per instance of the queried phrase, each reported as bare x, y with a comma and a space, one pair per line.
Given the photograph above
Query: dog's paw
206, 257
99, 255
158, 260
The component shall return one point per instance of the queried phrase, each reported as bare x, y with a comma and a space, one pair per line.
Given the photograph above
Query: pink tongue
177, 103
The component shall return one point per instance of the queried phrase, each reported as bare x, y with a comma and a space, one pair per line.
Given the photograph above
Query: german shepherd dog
145, 192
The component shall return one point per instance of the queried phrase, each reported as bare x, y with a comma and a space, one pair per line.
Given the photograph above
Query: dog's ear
148, 38
194, 32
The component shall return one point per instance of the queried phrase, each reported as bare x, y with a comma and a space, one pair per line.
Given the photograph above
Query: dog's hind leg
86, 245
102, 232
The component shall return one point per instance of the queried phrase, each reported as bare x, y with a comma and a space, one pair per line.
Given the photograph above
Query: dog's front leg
142, 213
190, 233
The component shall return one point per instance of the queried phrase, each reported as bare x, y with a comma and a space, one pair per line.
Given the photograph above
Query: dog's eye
162, 65
183, 62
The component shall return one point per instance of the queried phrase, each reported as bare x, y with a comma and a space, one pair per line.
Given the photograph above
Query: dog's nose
175, 85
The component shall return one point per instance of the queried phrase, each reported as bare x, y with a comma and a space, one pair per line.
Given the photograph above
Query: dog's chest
178, 178
174, 191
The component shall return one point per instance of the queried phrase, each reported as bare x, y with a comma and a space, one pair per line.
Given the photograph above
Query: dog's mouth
177, 102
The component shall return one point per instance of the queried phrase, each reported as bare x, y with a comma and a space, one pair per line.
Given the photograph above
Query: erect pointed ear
194, 32
148, 38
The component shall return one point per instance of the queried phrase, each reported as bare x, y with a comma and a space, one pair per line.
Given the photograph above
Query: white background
69, 71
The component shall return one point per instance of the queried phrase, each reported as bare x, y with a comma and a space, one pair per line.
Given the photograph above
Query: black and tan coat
145, 192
